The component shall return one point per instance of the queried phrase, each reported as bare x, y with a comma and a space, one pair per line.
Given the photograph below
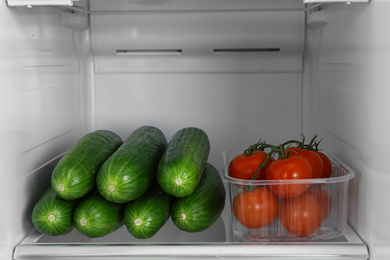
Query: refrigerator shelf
336, 1
30, 3
221, 6
174, 244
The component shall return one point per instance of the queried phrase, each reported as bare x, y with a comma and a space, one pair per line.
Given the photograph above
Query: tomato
245, 166
327, 165
315, 161
324, 200
290, 168
301, 216
255, 209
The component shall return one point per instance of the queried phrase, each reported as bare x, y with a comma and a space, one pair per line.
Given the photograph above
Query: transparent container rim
350, 174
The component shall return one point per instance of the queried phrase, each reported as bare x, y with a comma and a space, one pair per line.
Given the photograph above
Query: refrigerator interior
240, 71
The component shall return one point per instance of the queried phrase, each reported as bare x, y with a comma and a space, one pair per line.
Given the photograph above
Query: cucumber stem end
179, 181
83, 222
138, 222
111, 187
61, 187
51, 218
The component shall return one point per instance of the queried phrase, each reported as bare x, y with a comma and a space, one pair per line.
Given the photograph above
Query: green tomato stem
280, 150
259, 146
274, 149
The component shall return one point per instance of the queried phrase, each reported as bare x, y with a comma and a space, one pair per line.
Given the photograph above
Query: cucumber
131, 169
95, 216
147, 214
181, 166
203, 207
75, 174
52, 215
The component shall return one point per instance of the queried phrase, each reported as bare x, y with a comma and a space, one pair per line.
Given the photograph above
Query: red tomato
301, 216
255, 209
327, 165
245, 166
324, 200
290, 168
315, 161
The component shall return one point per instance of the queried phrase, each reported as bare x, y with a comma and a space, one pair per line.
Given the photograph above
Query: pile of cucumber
103, 183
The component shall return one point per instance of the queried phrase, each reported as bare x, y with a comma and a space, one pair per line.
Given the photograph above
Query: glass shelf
171, 243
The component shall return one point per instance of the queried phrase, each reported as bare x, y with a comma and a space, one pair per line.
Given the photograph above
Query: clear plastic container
319, 214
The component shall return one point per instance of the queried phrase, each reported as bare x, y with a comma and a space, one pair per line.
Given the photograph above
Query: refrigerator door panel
346, 65
40, 110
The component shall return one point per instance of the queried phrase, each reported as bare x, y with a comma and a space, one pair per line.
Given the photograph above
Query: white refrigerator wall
238, 94
347, 65
42, 111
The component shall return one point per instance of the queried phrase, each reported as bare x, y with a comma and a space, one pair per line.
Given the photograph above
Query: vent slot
150, 52
245, 50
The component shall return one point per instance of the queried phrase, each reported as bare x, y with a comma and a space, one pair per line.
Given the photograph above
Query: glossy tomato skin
315, 161
245, 166
290, 168
255, 209
327, 172
301, 216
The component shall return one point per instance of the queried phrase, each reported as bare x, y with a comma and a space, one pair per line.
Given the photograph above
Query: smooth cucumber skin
75, 174
129, 171
203, 207
52, 215
147, 214
181, 166
95, 216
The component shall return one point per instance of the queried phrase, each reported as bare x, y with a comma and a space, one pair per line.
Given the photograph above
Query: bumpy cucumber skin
77, 169
102, 217
60, 211
152, 208
183, 161
128, 173
204, 206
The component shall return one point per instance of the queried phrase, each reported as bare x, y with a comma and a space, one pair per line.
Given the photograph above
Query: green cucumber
75, 174
52, 215
95, 216
147, 214
203, 207
182, 163
132, 168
